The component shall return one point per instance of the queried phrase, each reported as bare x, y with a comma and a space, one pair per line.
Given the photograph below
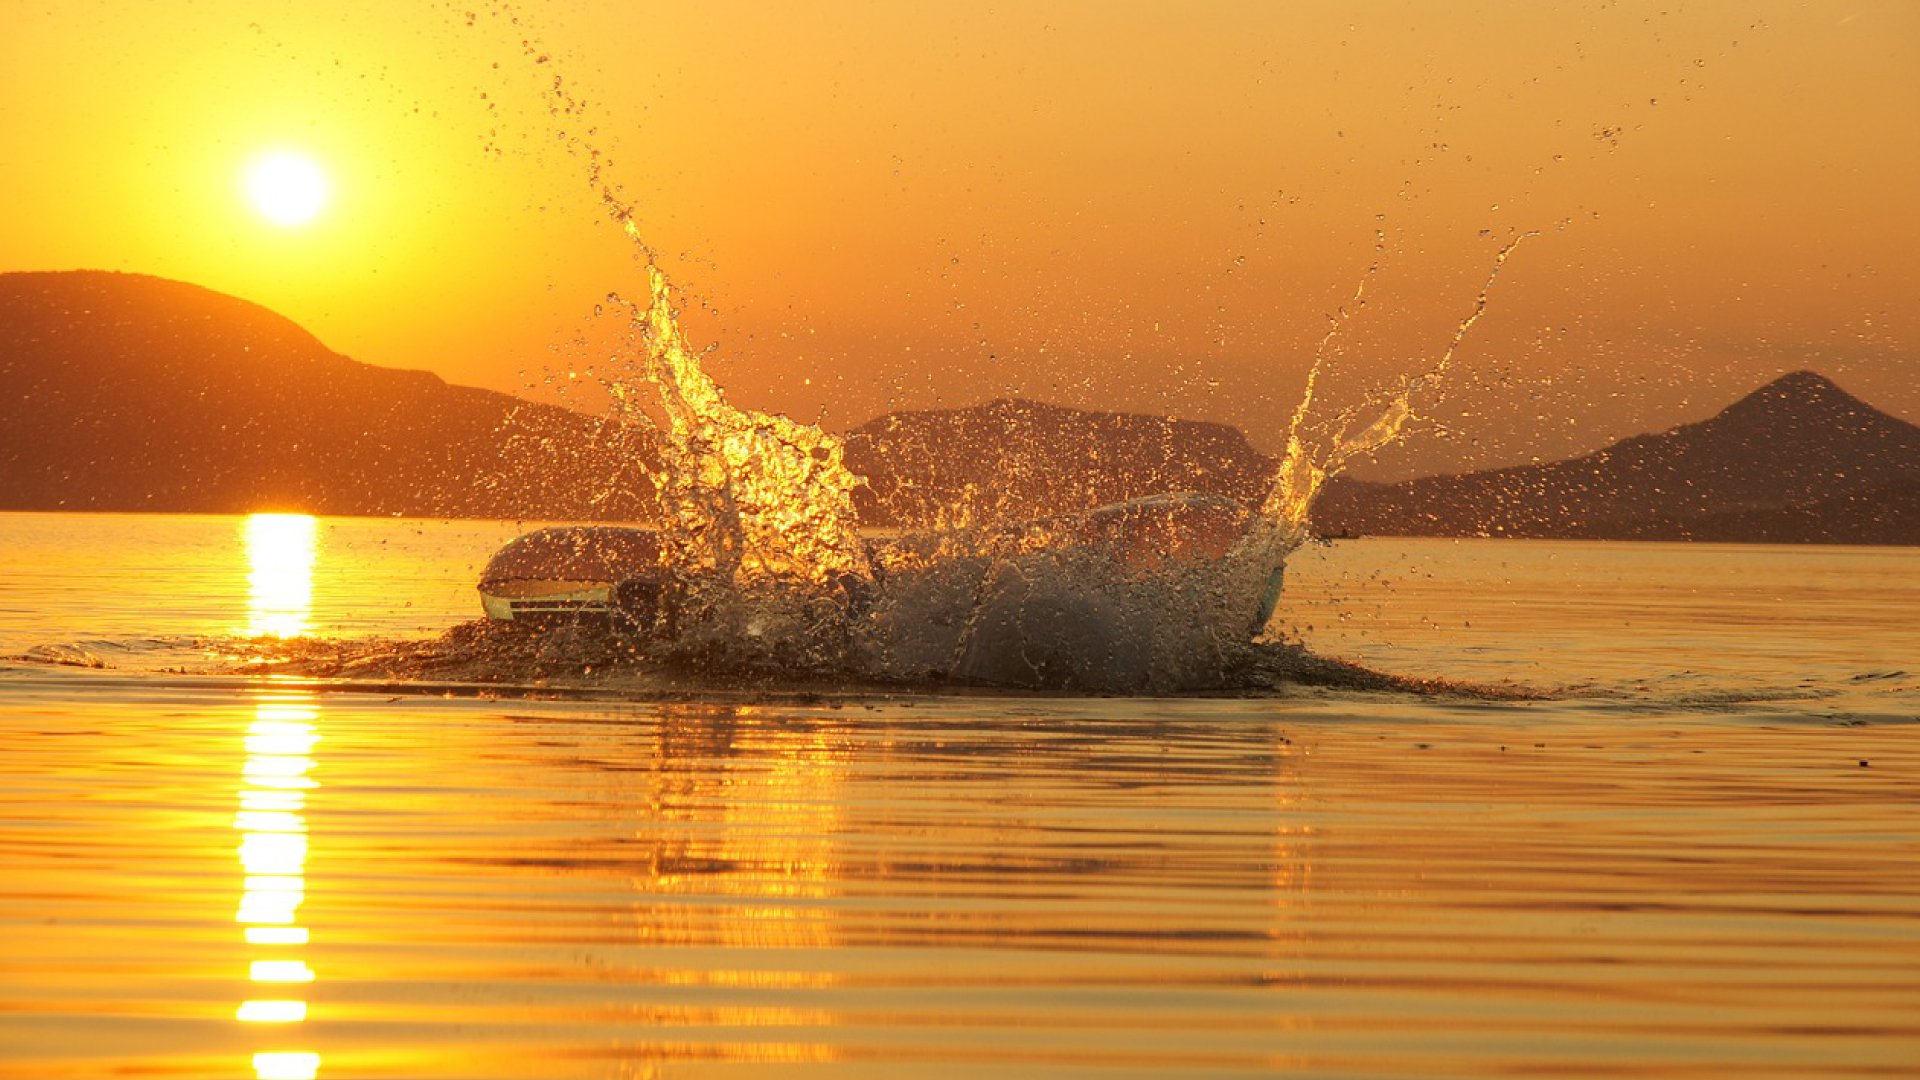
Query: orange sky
1120, 205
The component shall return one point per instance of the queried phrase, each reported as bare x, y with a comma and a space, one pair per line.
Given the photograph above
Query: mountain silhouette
127, 392
136, 393
1012, 459
1790, 451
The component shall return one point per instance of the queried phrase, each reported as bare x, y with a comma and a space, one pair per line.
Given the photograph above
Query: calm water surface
1698, 857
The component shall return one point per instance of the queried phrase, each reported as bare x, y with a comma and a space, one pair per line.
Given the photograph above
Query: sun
287, 188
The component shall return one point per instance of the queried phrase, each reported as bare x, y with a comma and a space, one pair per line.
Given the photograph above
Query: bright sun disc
286, 188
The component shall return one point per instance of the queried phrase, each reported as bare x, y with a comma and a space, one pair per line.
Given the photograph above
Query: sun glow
281, 551
285, 187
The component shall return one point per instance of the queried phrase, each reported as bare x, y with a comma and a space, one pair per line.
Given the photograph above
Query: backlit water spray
1168, 592
1279, 525
770, 575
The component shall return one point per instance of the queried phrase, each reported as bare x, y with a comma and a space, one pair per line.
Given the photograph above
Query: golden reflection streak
281, 551
286, 1066
777, 822
277, 1011
1291, 884
771, 820
271, 817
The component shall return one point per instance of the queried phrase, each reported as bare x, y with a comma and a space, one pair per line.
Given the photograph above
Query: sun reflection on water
286, 1066
271, 818
281, 551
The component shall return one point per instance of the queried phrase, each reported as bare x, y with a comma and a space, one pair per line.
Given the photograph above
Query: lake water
1696, 854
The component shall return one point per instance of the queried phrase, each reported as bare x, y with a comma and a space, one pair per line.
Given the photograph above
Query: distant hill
1012, 459
127, 392
1883, 515
1798, 460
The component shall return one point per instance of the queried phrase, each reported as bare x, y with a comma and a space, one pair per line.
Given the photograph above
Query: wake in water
595, 659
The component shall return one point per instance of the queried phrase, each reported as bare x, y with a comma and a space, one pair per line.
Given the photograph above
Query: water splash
758, 508
750, 495
1129, 597
1164, 593
771, 572
1279, 526
1305, 469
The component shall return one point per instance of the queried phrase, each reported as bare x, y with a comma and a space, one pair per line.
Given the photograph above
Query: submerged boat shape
576, 571
572, 572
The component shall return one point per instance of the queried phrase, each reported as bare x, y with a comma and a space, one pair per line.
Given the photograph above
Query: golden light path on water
281, 552
275, 783
271, 818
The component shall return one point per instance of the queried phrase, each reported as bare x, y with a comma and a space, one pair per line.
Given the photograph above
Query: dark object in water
1033, 603
573, 571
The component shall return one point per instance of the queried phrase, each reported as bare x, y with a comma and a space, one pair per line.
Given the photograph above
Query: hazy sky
1143, 206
